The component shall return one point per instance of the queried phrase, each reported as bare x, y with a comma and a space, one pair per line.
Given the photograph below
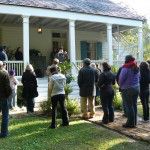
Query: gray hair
30, 68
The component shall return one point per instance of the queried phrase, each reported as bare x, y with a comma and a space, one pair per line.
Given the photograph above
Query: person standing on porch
87, 79
144, 89
3, 56
18, 54
57, 83
61, 56
105, 82
5, 92
129, 84
29, 87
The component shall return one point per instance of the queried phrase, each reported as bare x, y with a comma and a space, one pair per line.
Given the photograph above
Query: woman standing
106, 79
29, 87
144, 89
129, 84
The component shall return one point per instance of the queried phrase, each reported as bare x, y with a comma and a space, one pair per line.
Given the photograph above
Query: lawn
32, 133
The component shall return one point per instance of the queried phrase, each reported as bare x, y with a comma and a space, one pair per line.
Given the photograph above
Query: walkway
142, 132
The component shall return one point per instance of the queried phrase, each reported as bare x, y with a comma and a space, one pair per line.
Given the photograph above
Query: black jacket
144, 80
87, 79
2, 56
5, 89
106, 80
29, 85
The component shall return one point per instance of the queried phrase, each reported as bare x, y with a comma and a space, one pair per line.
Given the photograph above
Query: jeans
131, 96
107, 105
5, 117
30, 105
123, 102
61, 99
144, 96
12, 99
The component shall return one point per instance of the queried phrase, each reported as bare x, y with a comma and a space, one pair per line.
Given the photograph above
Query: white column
72, 46
26, 40
109, 42
140, 44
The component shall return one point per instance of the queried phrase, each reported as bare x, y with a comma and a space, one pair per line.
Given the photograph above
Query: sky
141, 6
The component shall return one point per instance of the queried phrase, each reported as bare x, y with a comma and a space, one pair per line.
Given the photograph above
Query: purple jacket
128, 78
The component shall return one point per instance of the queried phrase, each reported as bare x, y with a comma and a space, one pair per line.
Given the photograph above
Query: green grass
32, 133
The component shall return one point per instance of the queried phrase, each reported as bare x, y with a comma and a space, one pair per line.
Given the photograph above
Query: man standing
5, 92
87, 78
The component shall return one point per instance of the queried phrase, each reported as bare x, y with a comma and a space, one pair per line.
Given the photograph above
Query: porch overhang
49, 13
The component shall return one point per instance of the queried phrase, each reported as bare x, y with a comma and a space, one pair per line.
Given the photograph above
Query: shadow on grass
33, 133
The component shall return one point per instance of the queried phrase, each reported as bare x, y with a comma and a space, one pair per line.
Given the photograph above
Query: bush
72, 106
68, 90
117, 101
20, 100
46, 107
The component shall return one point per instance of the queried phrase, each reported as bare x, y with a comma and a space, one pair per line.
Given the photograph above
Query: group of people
4, 56
8, 86
60, 54
133, 81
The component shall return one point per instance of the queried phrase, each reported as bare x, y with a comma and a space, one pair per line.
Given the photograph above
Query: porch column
140, 44
25, 40
72, 47
109, 42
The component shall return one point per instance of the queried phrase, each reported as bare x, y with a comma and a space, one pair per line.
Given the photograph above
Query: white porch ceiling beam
85, 25
39, 12
96, 26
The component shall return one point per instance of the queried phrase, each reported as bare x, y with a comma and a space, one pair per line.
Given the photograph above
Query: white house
83, 27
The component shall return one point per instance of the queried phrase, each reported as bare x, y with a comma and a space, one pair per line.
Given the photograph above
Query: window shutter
99, 50
84, 46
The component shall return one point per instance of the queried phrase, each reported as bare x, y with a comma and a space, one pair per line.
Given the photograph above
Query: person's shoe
128, 126
52, 126
64, 124
145, 121
85, 117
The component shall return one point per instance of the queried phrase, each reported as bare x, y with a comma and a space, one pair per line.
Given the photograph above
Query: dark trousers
30, 105
131, 96
5, 117
107, 105
61, 99
124, 103
144, 96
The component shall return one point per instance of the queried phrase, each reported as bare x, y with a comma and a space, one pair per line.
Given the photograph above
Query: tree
130, 39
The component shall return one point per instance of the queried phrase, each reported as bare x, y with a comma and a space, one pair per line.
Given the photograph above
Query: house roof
97, 7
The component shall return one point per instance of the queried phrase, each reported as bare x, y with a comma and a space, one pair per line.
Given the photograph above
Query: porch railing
17, 66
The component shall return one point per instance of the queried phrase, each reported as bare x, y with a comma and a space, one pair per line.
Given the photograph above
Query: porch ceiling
53, 23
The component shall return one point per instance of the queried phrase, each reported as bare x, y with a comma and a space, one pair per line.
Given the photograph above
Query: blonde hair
1, 64
30, 68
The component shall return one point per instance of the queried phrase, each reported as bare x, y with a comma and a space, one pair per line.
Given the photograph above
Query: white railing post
72, 47
140, 44
25, 40
109, 42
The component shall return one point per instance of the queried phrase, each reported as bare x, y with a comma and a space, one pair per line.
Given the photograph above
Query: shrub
46, 107
20, 100
68, 90
72, 106
117, 101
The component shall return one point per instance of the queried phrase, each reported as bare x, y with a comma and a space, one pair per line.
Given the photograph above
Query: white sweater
56, 84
